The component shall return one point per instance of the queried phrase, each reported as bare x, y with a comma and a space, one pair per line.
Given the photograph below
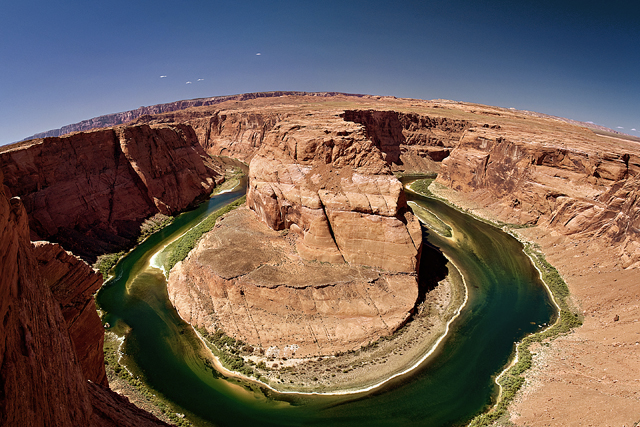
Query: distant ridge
131, 115
128, 116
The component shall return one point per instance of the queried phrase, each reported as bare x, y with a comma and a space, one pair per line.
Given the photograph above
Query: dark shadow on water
433, 267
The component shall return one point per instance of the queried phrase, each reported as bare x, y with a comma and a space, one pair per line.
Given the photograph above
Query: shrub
180, 248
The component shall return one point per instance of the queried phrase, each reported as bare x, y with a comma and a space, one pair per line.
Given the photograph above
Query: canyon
323, 197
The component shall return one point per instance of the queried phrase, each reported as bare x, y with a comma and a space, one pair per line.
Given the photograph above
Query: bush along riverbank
106, 262
178, 250
134, 388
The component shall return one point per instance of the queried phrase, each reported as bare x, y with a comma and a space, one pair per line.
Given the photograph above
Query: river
506, 301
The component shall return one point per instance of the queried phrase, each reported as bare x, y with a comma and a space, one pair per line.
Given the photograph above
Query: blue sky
62, 62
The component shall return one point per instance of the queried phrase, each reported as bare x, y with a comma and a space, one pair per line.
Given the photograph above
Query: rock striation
44, 382
91, 191
324, 179
73, 284
559, 178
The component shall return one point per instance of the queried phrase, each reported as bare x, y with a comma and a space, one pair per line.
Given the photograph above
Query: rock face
326, 181
73, 284
129, 116
43, 382
559, 178
249, 281
91, 191
406, 138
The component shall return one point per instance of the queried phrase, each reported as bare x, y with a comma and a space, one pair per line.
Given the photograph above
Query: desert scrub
567, 319
422, 186
105, 263
114, 368
153, 224
179, 249
228, 351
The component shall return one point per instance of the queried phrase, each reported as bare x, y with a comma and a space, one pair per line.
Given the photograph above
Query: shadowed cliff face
406, 137
43, 371
91, 191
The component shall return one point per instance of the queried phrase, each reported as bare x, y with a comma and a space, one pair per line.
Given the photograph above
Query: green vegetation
422, 186
113, 366
153, 224
431, 220
105, 263
512, 380
179, 249
228, 351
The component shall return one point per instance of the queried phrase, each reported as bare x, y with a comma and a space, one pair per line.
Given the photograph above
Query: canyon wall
91, 191
562, 179
341, 272
44, 372
407, 139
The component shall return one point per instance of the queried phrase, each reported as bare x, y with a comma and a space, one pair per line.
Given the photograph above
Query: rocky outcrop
249, 281
327, 186
406, 137
323, 179
73, 284
560, 179
43, 384
91, 191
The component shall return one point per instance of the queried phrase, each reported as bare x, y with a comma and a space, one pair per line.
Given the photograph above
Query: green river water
506, 301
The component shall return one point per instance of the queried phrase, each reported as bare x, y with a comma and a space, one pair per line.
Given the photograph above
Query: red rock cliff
42, 379
561, 177
91, 191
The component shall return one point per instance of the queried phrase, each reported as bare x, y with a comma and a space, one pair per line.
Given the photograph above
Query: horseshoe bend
325, 258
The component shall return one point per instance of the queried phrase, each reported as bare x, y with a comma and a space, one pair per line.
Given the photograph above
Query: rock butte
320, 167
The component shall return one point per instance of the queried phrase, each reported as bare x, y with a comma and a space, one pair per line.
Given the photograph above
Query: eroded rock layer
249, 281
44, 381
557, 178
91, 191
324, 179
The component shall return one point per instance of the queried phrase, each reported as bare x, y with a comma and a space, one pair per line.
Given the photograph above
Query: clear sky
63, 62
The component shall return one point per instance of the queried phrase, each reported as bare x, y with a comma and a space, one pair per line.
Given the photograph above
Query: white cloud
258, 54
591, 122
188, 83
162, 77
200, 80
634, 129
620, 127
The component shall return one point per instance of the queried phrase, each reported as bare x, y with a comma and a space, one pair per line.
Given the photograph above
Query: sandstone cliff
325, 180
73, 284
44, 383
249, 281
564, 178
91, 191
